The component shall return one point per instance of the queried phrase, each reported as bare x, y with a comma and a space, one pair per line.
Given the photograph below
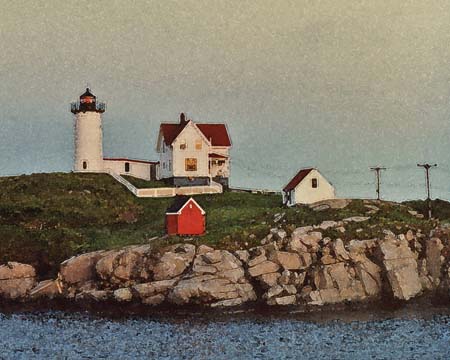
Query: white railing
213, 188
123, 181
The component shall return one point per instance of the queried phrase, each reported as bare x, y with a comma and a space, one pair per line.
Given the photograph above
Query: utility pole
377, 169
427, 168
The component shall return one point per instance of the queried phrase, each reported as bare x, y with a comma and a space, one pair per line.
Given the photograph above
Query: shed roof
297, 179
179, 203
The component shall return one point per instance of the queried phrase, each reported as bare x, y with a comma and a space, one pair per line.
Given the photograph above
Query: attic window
314, 183
198, 145
127, 167
183, 145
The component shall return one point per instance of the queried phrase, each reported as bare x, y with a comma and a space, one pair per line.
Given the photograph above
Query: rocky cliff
298, 267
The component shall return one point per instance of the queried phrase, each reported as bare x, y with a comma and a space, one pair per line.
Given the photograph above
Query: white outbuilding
306, 187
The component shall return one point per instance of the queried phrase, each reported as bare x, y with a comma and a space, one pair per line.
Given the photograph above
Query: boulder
264, 267
330, 204
243, 255
125, 266
123, 295
147, 290
310, 240
269, 280
206, 289
46, 289
287, 260
174, 261
16, 280
220, 262
339, 250
328, 224
370, 275
283, 300
401, 267
80, 269
433, 257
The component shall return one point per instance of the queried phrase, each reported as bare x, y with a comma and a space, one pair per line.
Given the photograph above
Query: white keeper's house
190, 153
194, 153
307, 187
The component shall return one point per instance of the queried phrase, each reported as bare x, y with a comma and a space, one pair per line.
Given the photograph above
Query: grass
46, 218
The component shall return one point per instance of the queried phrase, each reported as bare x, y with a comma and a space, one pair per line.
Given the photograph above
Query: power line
427, 168
377, 170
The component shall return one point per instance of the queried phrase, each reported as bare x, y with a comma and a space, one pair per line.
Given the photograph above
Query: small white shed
306, 187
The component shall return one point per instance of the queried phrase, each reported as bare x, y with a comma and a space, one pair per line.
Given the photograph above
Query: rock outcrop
309, 265
401, 267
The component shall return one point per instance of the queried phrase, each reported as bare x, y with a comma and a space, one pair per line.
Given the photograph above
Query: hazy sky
341, 84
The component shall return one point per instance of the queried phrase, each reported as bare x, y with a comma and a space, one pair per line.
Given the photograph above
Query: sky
341, 85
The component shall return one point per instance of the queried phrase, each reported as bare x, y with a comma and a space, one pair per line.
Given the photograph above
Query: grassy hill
46, 218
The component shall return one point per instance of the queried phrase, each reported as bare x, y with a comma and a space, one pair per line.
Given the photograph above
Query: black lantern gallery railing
77, 107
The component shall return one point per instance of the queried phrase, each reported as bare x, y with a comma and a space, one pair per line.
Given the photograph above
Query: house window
170, 165
127, 167
84, 165
198, 145
190, 164
183, 145
164, 165
314, 183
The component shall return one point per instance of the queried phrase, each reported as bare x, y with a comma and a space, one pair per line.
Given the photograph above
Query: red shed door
191, 221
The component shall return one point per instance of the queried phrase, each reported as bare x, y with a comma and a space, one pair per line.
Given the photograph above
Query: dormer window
198, 145
314, 183
183, 145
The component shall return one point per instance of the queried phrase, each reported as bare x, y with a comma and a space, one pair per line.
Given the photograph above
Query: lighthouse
88, 112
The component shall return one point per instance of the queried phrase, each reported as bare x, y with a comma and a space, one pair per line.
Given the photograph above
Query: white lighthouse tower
88, 133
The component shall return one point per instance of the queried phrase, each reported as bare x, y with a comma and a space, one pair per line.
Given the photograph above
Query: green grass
46, 218
440, 208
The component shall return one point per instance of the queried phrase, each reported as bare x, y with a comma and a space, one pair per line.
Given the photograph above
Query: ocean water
82, 336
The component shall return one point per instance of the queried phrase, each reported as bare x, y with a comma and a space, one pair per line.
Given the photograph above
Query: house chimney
182, 118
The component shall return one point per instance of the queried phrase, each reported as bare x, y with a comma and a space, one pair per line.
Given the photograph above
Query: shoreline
421, 307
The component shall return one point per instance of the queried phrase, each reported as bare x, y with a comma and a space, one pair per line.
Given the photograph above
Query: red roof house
194, 154
185, 217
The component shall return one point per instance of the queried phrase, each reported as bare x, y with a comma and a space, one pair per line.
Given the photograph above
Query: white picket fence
213, 188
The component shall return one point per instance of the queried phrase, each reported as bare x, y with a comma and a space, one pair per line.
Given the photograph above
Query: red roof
297, 179
217, 156
216, 133
131, 160
171, 131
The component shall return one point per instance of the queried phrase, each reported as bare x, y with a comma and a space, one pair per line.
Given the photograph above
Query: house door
152, 172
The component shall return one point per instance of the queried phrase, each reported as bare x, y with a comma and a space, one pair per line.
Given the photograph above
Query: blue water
59, 335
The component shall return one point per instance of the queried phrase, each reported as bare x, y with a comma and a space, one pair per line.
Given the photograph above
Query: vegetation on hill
46, 218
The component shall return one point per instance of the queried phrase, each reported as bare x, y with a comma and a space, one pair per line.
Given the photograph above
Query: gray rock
123, 295
401, 268
80, 269
264, 267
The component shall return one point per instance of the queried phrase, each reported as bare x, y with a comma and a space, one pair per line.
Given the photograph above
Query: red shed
185, 217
